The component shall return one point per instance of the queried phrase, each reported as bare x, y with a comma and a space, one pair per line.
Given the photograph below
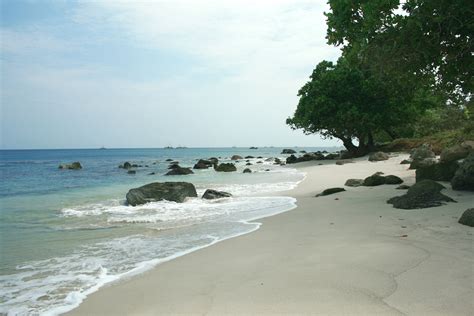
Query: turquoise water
64, 233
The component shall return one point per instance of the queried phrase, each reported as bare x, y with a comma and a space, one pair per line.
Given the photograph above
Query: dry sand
342, 254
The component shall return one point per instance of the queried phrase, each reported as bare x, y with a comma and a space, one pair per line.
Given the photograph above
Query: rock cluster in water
157, 191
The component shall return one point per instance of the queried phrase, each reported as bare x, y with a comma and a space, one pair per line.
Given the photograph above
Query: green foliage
419, 37
350, 103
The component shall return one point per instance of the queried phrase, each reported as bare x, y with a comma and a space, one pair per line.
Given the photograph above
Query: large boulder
330, 191
422, 163
157, 191
391, 179
426, 193
291, 159
71, 166
422, 152
203, 164
214, 160
236, 157
374, 180
288, 151
354, 182
464, 177
247, 170
467, 218
378, 156
442, 171
126, 165
214, 194
179, 171
225, 167
454, 153
377, 179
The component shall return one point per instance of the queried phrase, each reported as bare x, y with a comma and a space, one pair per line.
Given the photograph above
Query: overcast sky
156, 73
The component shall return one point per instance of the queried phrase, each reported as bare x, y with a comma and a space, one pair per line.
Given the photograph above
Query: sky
86, 74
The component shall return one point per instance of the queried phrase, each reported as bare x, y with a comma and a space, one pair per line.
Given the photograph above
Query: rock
214, 194
169, 159
225, 167
253, 147
331, 156
288, 151
391, 179
249, 157
354, 182
405, 162
291, 159
403, 187
179, 171
71, 166
303, 151
247, 170
259, 161
423, 194
330, 191
378, 156
214, 160
157, 191
131, 171
174, 165
152, 173
455, 153
248, 164
467, 218
443, 171
278, 161
464, 177
374, 180
203, 164
236, 157
422, 152
126, 165
415, 164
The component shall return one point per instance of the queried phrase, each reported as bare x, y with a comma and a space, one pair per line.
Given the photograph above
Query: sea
66, 233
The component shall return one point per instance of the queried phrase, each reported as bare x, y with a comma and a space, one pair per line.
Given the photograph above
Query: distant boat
169, 147
253, 147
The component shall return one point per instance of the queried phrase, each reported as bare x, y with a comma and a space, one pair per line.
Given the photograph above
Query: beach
349, 253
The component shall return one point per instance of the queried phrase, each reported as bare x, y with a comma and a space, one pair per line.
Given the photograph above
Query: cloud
247, 60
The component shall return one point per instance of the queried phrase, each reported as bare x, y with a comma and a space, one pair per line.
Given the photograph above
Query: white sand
327, 256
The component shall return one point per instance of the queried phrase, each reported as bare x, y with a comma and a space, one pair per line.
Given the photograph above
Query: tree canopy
417, 37
352, 104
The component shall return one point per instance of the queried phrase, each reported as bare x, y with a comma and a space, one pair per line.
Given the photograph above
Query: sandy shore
342, 254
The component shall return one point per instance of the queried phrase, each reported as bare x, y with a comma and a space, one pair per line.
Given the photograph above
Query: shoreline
324, 256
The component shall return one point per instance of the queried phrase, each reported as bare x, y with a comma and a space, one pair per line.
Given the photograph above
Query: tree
354, 105
418, 37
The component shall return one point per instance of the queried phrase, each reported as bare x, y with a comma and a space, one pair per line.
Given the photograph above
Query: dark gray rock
464, 177
454, 153
442, 171
71, 166
403, 187
422, 152
225, 167
203, 164
405, 162
130, 171
331, 156
169, 159
249, 157
467, 218
354, 182
330, 191
247, 170
214, 194
157, 191
391, 179
374, 180
378, 156
179, 171
291, 159
236, 157
214, 160
248, 164
126, 165
423, 194
288, 151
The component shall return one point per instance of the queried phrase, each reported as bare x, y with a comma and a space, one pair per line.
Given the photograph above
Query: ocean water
65, 233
